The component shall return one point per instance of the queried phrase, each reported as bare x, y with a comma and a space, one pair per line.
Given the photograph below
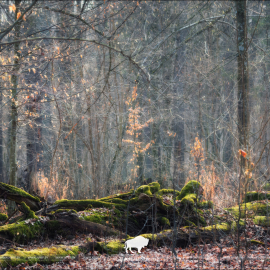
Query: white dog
138, 242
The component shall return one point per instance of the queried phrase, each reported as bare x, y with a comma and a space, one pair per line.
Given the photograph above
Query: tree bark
242, 76
179, 107
14, 113
1, 140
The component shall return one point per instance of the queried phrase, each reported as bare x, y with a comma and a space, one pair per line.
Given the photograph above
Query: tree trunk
33, 147
14, 114
1, 141
156, 152
242, 78
179, 122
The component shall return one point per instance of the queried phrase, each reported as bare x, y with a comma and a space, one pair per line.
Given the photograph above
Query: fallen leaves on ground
208, 256
222, 255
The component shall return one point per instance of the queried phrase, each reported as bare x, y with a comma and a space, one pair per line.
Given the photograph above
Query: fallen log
19, 196
71, 220
59, 223
16, 256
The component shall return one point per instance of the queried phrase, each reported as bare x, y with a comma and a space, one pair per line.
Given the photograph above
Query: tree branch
5, 32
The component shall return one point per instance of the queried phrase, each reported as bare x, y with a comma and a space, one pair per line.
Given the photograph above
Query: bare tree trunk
1, 141
156, 152
242, 78
140, 162
179, 105
33, 147
14, 113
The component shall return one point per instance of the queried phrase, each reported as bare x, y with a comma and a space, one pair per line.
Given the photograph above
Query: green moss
262, 220
27, 211
102, 217
14, 257
256, 242
202, 220
189, 199
205, 205
116, 200
225, 227
235, 225
154, 187
257, 208
133, 201
191, 187
190, 223
112, 247
163, 206
3, 217
124, 196
14, 190
117, 212
96, 217
143, 189
81, 205
159, 237
168, 191
150, 236
193, 220
65, 210
257, 196
23, 231
107, 198
164, 221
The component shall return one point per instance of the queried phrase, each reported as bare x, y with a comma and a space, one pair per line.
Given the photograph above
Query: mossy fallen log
111, 247
251, 209
19, 196
149, 197
16, 256
28, 213
262, 220
256, 242
22, 232
72, 220
62, 223
124, 196
80, 205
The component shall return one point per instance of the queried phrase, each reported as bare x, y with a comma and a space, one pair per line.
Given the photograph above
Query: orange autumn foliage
18, 15
242, 153
12, 8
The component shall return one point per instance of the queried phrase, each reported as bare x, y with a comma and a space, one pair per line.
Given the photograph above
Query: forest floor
220, 240
222, 255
